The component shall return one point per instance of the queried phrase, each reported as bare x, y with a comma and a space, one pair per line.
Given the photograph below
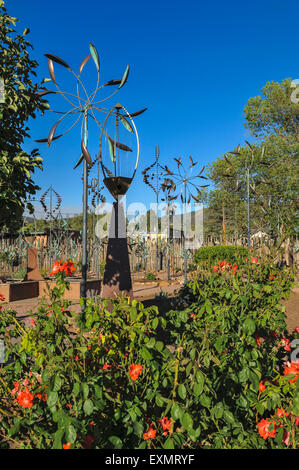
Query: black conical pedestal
117, 276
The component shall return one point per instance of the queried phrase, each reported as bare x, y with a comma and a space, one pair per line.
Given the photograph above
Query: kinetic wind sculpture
85, 108
184, 179
118, 177
50, 212
154, 177
248, 168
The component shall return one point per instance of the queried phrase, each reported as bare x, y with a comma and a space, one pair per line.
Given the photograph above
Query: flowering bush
210, 376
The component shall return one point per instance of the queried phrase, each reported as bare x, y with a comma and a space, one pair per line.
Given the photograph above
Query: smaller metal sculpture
184, 179
239, 183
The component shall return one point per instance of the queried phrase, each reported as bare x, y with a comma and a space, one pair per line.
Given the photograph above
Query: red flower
272, 277
222, 264
281, 412
258, 339
56, 268
297, 329
16, 388
292, 369
235, 266
106, 366
150, 434
69, 405
88, 440
165, 423
25, 398
262, 387
254, 260
68, 267
67, 446
216, 268
135, 370
264, 426
2, 298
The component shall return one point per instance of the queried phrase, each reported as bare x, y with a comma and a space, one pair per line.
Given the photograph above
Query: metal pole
50, 238
184, 218
84, 224
97, 222
248, 209
157, 211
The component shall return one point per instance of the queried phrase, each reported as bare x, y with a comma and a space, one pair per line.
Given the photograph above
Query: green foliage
21, 103
215, 254
205, 384
150, 277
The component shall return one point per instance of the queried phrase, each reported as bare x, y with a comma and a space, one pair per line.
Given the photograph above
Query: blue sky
193, 64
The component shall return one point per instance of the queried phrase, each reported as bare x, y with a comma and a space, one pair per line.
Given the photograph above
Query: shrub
150, 277
214, 254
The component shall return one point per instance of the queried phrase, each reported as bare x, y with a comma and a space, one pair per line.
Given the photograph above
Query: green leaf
249, 326
85, 390
52, 399
146, 354
182, 391
116, 441
187, 421
57, 383
176, 411
168, 444
88, 407
57, 444
70, 434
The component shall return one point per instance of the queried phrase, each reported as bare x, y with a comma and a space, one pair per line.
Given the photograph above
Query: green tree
274, 120
17, 71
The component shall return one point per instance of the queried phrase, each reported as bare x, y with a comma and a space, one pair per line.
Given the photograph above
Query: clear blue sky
193, 63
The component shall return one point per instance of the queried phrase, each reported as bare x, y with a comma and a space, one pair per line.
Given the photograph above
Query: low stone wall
14, 291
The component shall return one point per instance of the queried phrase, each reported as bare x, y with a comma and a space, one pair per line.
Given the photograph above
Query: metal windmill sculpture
118, 169
239, 184
85, 107
154, 177
168, 187
184, 178
51, 211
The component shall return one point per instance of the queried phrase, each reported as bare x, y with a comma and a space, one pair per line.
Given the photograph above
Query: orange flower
264, 426
281, 412
25, 398
216, 268
56, 268
165, 423
68, 267
135, 370
262, 387
67, 446
150, 434
235, 266
292, 369
254, 260
16, 388
258, 339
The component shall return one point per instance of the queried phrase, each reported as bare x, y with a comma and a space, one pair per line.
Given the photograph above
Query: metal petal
113, 82
46, 140
45, 92
79, 161
125, 77
52, 132
59, 61
84, 61
119, 145
51, 71
95, 55
126, 124
137, 113
85, 152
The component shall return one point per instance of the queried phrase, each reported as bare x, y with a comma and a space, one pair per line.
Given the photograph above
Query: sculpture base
117, 276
